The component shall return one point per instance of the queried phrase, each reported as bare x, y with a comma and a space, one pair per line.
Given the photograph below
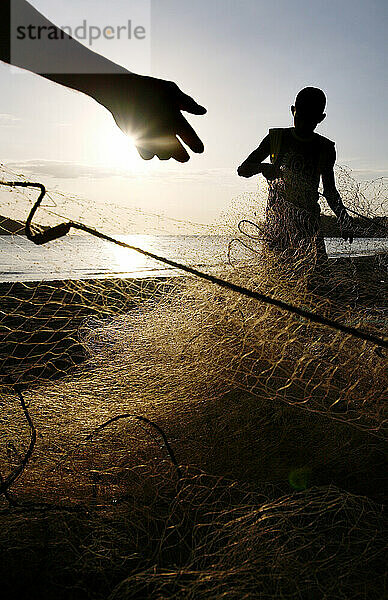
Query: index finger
188, 104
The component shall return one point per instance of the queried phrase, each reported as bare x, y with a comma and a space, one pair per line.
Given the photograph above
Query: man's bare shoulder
324, 140
327, 152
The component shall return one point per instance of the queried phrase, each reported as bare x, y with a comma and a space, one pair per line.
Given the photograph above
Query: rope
115, 419
148, 422
63, 229
6, 483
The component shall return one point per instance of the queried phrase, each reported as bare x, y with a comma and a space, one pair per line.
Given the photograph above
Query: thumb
188, 104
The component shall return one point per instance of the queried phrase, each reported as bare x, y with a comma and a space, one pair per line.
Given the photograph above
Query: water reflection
83, 257
130, 262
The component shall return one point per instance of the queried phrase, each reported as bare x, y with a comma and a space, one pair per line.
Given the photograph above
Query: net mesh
279, 424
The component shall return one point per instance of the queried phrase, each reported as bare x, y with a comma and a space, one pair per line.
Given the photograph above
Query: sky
244, 60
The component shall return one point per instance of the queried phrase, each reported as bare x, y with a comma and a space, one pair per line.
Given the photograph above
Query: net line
63, 229
279, 426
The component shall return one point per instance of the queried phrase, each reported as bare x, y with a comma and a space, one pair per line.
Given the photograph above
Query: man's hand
248, 169
269, 171
346, 226
145, 107
149, 109
347, 235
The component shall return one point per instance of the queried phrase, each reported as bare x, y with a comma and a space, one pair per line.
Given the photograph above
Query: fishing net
177, 438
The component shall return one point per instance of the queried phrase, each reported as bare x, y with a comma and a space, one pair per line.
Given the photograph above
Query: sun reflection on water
131, 262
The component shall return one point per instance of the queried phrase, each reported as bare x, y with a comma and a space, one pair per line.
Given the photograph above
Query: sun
118, 150
114, 151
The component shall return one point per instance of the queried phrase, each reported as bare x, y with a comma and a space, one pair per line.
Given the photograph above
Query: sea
84, 257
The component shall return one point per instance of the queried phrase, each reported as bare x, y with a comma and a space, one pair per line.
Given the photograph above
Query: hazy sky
244, 60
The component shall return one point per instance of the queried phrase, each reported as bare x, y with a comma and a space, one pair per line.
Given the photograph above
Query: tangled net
288, 548
281, 424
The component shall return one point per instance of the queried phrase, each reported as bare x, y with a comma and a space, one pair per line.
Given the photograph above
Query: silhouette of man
299, 158
146, 107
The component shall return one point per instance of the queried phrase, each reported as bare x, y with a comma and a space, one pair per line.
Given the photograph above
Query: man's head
308, 110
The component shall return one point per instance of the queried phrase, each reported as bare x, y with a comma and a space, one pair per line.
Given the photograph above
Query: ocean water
84, 257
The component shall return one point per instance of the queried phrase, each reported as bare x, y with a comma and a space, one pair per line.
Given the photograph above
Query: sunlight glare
119, 150
128, 262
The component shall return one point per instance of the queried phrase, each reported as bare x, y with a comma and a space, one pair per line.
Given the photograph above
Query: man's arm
254, 163
5, 31
145, 107
334, 200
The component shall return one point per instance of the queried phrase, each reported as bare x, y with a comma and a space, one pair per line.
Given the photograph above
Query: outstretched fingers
188, 135
188, 104
172, 148
180, 153
145, 153
164, 148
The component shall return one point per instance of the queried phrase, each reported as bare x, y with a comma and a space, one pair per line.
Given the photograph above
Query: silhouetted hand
248, 169
149, 109
269, 171
346, 227
145, 107
347, 234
